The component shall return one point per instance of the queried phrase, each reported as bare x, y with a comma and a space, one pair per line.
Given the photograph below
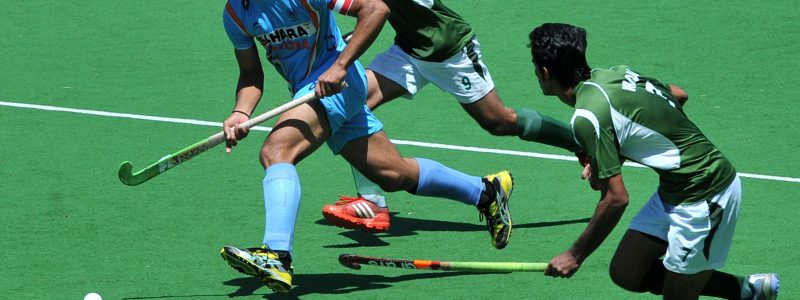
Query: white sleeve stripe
337, 5
341, 6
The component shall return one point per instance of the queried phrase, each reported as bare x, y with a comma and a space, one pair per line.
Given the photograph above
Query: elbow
379, 9
252, 76
499, 127
681, 96
384, 12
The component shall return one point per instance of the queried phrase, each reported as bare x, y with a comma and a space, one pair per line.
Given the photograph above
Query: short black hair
561, 48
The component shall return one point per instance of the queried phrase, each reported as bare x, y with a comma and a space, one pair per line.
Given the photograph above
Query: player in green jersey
433, 44
679, 239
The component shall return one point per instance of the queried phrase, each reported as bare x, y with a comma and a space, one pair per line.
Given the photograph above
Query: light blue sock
281, 201
437, 180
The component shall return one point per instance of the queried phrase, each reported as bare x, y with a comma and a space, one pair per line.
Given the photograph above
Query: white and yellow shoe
497, 214
276, 272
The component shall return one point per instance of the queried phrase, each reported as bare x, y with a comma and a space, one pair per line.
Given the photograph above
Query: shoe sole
275, 285
246, 267
354, 223
240, 264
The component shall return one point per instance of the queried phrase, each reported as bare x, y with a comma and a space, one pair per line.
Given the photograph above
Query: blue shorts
348, 115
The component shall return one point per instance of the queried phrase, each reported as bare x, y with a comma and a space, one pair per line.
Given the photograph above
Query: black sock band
487, 195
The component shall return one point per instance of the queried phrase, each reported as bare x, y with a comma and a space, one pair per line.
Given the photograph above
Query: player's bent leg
381, 90
297, 134
429, 178
368, 210
492, 115
636, 265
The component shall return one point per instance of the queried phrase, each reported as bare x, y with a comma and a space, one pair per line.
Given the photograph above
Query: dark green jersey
621, 114
428, 30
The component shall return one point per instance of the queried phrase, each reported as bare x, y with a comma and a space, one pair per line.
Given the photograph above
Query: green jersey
620, 114
428, 30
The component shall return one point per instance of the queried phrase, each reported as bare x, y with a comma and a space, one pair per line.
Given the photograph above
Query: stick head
126, 173
348, 260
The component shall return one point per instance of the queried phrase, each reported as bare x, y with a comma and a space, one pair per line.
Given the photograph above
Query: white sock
368, 189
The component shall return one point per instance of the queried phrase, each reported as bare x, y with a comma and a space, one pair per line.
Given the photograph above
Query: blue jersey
300, 37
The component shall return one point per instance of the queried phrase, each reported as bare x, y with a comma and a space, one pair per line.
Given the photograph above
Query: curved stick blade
128, 177
347, 260
126, 173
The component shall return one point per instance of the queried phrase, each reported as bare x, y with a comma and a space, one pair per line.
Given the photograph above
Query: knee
625, 280
273, 155
264, 157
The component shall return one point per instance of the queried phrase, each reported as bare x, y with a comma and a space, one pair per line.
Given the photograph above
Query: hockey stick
128, 177
347, 36
354, 261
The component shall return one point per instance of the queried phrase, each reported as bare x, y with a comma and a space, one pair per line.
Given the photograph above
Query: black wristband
241, 112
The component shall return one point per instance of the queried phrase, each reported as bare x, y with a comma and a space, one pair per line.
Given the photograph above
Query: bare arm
607, 214
371, 15
248, 92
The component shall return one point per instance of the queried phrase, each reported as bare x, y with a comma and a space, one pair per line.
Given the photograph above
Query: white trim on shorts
698, 234
464, 75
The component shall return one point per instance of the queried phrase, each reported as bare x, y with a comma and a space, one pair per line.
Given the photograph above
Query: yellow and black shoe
497, 214
274, 270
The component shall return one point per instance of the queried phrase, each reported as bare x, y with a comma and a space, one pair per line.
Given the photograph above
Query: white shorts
698, 234
463, 75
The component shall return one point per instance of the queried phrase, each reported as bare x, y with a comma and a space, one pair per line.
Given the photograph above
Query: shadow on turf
343, 283
402, 226
331, 284
321, 284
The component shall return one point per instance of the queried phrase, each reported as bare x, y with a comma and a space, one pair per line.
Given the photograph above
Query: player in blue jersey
303, 43
676, 243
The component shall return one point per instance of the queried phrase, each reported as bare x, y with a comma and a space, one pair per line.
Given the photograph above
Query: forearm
533, 126
606, 216
248, 93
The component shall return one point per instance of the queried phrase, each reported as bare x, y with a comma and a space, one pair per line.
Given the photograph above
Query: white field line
397, 142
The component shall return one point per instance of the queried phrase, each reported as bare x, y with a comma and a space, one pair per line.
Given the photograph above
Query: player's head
559, 54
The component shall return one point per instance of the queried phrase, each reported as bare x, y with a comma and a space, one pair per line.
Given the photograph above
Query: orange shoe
357, 213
